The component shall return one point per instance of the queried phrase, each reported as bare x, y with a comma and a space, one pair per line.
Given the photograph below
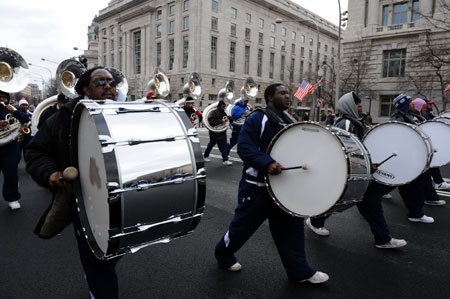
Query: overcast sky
50, 29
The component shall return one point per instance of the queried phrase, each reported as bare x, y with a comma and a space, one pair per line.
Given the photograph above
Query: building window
186, 5
273, 27
400, 15
311, 42
261, 38
233, 57
234, 13
212, 97
113, 30
415, 11
326, 48
272, 42
137, 52
112, 44
214, 23
385, 15
294, 35
248, 18
247, 33
213, 52
247, 60
282, 67
283, 45
186, 22
233, 29
310, 54
394, 63
158, 30
120, 42
158, 54
386, 105
302, 38
215, 5
104, 47
302, 51
309, 70
185, 51
293, 49
171, 9
213, 81
158, 14
171, 27
260, 61
171, 53
261, 23
302, 65
283, 31
120, 61
332, 50
271, 65
112, 59
291, 70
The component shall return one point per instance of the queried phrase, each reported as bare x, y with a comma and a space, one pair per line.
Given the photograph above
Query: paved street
185, 268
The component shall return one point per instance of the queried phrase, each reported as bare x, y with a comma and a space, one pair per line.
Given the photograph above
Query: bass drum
439, 133
333, 157
444, 114
142, 177
412, 146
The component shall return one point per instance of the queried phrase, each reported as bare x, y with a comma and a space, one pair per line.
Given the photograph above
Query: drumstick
394, 154
304, 166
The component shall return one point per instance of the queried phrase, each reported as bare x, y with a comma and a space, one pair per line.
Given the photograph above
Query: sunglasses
102, 83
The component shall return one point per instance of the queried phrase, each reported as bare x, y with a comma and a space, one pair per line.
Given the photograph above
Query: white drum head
315, 190
439, 133
411, 148
93, 184
445, 114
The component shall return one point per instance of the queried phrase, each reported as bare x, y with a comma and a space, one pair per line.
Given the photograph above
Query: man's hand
10, 108
56, 180
274, 168
374, 167
4, 123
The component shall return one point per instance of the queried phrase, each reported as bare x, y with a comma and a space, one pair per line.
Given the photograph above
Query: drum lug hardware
113, 198
125, 110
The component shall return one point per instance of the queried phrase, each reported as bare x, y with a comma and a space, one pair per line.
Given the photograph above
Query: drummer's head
402, 102
277, 97
97, 84
4, 97
358, 104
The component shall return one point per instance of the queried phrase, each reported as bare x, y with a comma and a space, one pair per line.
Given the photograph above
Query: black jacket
46, 114
49, 150
215, 118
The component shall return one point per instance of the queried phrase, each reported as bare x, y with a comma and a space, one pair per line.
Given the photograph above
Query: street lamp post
50, 71
279, 21
43, 83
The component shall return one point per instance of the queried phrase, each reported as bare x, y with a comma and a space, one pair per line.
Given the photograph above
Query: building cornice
120, 9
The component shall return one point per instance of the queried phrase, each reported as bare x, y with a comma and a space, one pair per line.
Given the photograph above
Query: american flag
302, 90
315, 86
447, 89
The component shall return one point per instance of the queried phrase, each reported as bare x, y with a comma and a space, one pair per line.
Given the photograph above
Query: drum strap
280, 121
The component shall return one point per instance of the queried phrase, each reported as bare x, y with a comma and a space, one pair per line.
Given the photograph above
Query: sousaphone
248, 92
193, 89
225, 94
159, 84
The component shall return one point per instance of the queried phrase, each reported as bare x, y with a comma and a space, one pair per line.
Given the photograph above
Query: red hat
151, 95
429, 101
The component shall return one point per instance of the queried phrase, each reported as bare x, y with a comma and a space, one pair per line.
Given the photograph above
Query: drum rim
420, 133
113, 245
267, 180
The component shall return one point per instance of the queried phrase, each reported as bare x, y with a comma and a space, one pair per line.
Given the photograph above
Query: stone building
219, 39
396, 46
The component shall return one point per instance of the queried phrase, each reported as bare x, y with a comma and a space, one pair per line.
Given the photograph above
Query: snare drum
412, 146
142, 177
439, 133
337, 174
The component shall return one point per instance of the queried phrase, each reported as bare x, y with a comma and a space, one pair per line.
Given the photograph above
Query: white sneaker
318, 277
423, 219
439, 202
206, 159
387, 196
235, 267
393, 243
322, 231
227, 163
14, 205
442, 186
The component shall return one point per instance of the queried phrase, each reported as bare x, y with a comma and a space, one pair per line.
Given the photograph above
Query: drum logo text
385, 174
310, 130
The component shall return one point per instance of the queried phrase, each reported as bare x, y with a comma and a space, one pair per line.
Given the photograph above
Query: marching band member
254, 202
23, 105
219, 138
60, 101
349, 108
190, 110
47, 156
10, 153
431, 197
239, 110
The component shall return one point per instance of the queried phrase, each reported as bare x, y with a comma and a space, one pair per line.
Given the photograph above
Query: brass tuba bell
225, 94
159, 84
14, 71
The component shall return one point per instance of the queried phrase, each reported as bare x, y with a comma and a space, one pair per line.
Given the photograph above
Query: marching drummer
349, 108
254, 202
47, 156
